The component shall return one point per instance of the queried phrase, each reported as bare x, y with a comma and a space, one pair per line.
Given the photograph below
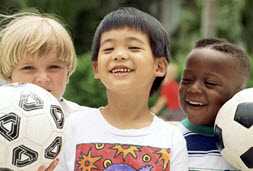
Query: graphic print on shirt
114, 157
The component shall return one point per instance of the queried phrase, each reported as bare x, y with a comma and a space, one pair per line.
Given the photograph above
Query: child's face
208, 81
46, 71
126, 62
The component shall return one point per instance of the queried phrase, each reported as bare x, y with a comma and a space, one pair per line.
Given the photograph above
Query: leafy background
184, 20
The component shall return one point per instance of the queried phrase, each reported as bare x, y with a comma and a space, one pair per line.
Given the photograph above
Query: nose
120, 55
196, 87
41, 78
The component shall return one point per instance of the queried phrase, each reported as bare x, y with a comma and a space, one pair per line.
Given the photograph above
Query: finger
53, 165
41, 168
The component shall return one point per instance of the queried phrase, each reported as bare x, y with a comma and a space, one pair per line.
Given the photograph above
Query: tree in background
185, 20
208, 20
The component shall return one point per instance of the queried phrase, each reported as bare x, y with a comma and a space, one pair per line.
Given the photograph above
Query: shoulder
71, 107
170, 129
173, 125
172, 134
70, 104
84, 113
82, 119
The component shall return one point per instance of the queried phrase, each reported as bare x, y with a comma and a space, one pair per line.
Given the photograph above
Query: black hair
222, 45
140, 21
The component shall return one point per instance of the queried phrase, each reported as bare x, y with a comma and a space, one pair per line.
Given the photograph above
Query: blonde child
36, 48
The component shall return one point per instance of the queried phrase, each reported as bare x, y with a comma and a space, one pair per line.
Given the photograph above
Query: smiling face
46, 71
126, 62
210, 78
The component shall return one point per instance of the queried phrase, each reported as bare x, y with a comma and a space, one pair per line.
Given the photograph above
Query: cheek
14, 77
60, 78
18, 77
63, 78
224, 95
218, 102
59, 84
101, 69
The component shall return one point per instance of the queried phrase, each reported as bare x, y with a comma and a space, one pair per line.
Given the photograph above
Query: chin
196, 121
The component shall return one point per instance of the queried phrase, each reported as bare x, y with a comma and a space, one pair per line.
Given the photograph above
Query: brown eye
108, 50
211, 84
27, 68
134, 48
55, 66
186, 81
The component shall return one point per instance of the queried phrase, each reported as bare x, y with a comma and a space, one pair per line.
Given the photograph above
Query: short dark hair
140, 21
222, 45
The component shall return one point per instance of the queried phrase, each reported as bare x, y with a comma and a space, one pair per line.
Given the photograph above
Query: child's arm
51, 167
161, 103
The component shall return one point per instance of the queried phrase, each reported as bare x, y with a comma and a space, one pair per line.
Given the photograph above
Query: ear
68, 75
95, 70
8, 80
67, 80
160, 66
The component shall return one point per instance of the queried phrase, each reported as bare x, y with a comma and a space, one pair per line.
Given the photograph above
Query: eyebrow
106, 41
128, 39
135, 39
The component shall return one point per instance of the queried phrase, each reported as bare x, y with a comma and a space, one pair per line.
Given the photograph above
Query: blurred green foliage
83, 88
234, 22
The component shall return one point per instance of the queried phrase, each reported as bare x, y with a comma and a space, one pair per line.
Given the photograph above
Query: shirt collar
201, 129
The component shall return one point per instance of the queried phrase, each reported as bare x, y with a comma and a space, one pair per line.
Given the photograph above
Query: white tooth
117, 70
196, 103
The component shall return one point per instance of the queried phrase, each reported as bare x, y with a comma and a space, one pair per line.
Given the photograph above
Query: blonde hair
34, 34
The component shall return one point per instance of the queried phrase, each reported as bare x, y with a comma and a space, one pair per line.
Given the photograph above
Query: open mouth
195, 103
120, 70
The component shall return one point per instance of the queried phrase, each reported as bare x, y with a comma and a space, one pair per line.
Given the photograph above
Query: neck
127, 110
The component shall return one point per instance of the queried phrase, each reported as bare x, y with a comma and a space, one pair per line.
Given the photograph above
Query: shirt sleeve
65, 154
179, 159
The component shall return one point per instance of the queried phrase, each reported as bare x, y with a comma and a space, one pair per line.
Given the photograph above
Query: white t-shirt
91, 142
70, 107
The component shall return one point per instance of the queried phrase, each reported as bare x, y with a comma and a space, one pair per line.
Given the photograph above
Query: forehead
50, 56
209, 60
207, 63
125, 33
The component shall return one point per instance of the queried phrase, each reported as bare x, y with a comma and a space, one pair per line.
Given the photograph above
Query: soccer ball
31, 127
234, 127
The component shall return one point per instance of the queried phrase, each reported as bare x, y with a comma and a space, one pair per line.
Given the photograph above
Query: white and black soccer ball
234, 127
31, 127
